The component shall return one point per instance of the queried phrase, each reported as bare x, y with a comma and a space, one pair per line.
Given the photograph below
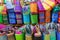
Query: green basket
5, 19
34, 18
20, 36
1, 18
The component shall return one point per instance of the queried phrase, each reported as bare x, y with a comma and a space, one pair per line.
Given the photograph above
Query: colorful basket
19, 18
17, 6
34, 18
26, 19
5, 19
55, 17
19, 36
26, 9
53, 35
12, 21
58, 35
45, 5
33, 7
41, 18
1, 18
46, 36
47, 16
59, 17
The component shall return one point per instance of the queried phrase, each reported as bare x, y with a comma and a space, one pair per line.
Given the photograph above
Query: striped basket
41, 17
59, 17
47, 16
5, 19
19, 18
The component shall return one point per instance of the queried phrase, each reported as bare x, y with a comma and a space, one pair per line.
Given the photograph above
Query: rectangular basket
12, 21
59, 17
41, 18
55, 17
34, 18
5, 19
47, 16
26, 19
11, 15
1, 18
33, 7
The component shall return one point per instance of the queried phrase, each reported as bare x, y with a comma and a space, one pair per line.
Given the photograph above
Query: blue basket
12, 21
41, 18
10, 10
58, 35
11, 15
26, 19
55, 17
26, 10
